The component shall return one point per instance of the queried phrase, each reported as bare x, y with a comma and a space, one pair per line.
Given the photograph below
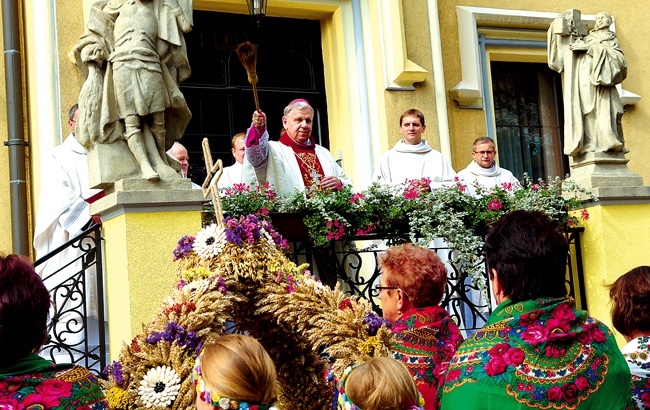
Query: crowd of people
537, 348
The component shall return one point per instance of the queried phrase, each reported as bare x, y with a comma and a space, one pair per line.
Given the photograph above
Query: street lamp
257, 8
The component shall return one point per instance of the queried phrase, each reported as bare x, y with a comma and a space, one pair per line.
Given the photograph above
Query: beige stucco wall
633, 34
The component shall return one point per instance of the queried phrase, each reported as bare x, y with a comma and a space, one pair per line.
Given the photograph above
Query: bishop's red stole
307, 159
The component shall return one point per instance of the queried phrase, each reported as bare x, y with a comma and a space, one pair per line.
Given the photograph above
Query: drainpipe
16, 137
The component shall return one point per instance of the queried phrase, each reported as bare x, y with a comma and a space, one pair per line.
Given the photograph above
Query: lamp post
257, 8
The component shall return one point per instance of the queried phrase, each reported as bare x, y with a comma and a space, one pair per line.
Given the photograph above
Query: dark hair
418, 271
412, 113
24, 305
529, 252
630, 295
72, 110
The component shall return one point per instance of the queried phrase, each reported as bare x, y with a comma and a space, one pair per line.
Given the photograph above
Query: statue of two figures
592, 64
134, 57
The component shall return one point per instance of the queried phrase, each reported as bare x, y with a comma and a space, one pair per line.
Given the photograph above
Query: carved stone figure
593, 64
134, 57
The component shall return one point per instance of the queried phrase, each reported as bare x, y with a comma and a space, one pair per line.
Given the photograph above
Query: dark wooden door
289, 66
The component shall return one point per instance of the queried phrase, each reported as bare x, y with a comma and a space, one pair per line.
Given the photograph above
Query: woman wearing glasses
411, 287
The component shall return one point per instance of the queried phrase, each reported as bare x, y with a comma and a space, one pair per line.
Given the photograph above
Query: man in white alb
412, 157
296, 161
63, 213
233, 174
483, 170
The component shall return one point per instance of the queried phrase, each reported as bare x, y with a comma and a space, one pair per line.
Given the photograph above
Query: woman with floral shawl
411, 287
26, 379
631, 317
537, 349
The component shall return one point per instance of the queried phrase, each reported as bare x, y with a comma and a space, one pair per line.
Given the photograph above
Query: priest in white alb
412, 157
484, 170
295, 161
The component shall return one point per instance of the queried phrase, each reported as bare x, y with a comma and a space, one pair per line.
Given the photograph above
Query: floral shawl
49, 386
425, 339
637, 355
542, 354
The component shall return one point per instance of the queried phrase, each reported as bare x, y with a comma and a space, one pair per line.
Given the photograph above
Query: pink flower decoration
495, 366
495, 205
585, 214
554, 393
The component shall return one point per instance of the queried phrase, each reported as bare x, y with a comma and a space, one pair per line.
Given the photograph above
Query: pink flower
563, 312
499, 349
357, 197
495, 205
241, 188
495, 366
507, 186
582, 383
514, 356
54, 387
585, 214
534, 335
534, 187
554, 393
453, 375
411, 194
36, 399
569, 391
553, 351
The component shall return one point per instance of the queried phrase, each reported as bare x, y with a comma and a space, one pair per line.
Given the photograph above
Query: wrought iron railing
72, 273
356, 269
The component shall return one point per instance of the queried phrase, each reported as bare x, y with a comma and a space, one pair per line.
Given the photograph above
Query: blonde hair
238, 367
240, 136
381, 383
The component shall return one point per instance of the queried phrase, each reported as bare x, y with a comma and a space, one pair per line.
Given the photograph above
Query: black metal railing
73, 273
356, 269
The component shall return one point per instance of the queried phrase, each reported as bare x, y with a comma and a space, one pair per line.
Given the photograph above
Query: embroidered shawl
637, 355
542, 354
425, 340
49, 386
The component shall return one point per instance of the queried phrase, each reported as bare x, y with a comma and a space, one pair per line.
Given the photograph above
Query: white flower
159, 387
224, 403
209, 241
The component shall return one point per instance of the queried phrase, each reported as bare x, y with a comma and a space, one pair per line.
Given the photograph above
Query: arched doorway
289, 65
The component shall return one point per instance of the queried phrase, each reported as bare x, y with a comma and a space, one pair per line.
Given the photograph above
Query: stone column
142, 222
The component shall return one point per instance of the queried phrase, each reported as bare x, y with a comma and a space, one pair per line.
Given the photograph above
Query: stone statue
593, 64
134, 57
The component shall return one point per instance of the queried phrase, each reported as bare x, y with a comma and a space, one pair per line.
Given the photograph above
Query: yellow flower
196, 273
118, 398
369, 345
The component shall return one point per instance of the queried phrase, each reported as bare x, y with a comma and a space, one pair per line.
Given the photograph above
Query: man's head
411, 126
238, 147
526, 253
602, 20
179, 152
298, 120
73, 116
484, 152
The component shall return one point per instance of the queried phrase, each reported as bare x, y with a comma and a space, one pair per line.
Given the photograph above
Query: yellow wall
139, 267
614, 241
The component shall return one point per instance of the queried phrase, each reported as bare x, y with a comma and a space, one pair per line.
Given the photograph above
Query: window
527, 101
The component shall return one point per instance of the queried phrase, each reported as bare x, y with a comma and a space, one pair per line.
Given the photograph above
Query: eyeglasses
481, 153
378, 288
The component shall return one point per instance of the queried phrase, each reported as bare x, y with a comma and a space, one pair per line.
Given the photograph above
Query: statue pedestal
142, 223
607, 176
